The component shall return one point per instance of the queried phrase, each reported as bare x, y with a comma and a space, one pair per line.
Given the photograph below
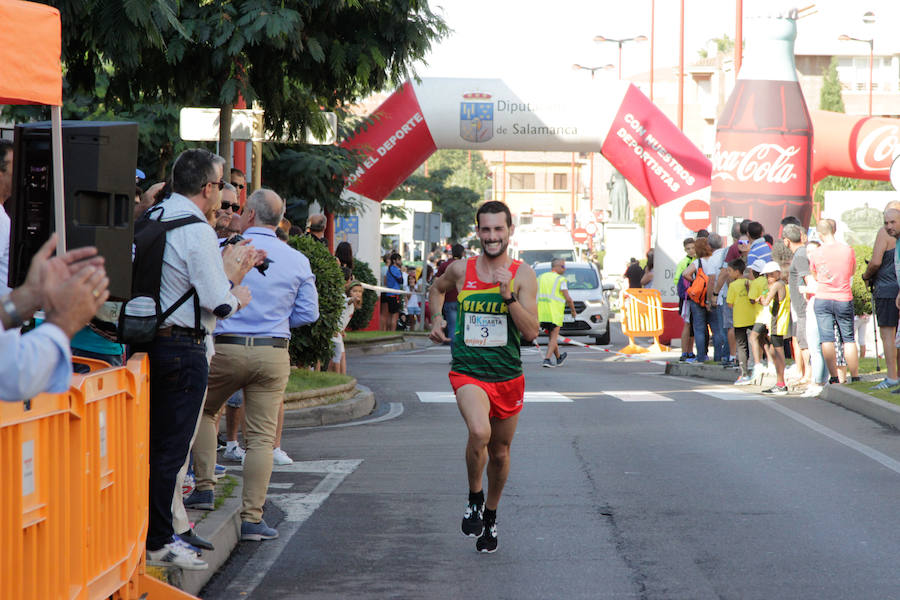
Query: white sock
230, 445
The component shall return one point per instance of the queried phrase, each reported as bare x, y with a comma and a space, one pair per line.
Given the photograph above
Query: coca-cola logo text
766, 162
876, 150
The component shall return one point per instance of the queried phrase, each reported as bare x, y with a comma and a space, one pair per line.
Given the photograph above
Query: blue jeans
720, 338
178, 376
450, 311
817, 361
834, 312
699, 322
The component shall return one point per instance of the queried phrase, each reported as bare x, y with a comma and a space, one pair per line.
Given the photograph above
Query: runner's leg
475, 407
502, 431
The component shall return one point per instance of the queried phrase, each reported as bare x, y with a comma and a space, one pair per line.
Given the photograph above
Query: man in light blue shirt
252, 354
70, 288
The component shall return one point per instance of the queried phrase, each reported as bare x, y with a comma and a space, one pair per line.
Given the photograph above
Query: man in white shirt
721, 350
70, 288
178, 363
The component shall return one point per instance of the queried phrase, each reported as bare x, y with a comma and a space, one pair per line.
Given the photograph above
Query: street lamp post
620, 42
593, 70
868, 19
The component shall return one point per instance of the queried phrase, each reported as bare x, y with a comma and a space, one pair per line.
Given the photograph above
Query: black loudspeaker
99, 161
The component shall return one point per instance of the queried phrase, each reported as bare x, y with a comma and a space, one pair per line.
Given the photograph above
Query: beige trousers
262, 372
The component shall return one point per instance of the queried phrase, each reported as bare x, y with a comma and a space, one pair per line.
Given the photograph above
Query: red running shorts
506, 397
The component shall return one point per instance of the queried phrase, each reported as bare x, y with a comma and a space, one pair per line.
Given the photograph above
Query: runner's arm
524, 311
440, 286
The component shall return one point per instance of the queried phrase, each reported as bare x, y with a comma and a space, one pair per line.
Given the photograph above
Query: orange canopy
30, 50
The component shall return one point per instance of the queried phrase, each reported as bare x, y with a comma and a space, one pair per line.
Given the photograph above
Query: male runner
497, 308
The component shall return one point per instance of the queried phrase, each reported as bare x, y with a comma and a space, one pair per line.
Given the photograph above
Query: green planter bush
862, 297
363, 315
311, 343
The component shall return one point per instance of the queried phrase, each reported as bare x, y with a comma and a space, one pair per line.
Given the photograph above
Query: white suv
592, 310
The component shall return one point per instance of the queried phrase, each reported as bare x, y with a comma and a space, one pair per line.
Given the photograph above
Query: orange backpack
697, 290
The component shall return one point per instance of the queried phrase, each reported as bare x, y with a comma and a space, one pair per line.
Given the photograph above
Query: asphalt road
631, 484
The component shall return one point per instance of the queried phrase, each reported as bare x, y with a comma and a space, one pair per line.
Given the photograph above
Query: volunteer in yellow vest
552, 297
497, 309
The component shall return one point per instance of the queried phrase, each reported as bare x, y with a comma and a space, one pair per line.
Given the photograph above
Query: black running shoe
561, 359
472, 523
488, 540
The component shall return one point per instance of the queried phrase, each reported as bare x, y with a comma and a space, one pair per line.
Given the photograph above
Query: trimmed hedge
862, 297
362, 316
311, 343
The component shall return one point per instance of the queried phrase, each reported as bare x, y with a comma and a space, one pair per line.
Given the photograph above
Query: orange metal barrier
643, 317
73, 504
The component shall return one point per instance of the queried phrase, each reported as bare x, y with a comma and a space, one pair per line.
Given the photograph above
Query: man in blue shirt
759, 249
70, 288
252, 354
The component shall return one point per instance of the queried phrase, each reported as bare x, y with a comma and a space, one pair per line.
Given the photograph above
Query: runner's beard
503, 246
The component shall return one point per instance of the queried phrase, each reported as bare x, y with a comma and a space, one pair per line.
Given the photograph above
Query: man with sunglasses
228, 213
238, 180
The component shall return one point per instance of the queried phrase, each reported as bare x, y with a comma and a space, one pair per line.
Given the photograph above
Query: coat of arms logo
476, 117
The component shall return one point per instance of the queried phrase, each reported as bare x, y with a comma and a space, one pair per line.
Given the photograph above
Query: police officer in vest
553, 295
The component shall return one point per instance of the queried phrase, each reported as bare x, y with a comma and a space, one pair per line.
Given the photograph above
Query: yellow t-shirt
743, 312
759, 287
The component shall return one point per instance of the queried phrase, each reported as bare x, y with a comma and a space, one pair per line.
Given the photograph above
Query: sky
516, 39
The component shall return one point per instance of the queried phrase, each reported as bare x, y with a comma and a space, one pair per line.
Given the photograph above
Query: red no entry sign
695, 215
581, 235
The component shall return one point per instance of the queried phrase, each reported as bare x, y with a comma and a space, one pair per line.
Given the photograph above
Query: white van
532, 247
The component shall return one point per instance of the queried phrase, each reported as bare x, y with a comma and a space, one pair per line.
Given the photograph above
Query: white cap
769, 267
758, 265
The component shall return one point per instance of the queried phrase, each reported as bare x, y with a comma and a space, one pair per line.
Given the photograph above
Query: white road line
395, 410
280, 486
450, 398
638, 396
733, 394
297, 508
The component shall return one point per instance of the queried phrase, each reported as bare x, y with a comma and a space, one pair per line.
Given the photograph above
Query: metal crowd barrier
73, 502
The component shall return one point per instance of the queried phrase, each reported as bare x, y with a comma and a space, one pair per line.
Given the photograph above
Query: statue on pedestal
618, 198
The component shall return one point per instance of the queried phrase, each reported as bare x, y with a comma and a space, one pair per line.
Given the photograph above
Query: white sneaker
176, 554
236, 454
812, 391
758, 371
280, 457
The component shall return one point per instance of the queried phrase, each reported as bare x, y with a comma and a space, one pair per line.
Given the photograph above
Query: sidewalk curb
714, 372
358, 405
374, 349
222, 527
864, 404
320, 393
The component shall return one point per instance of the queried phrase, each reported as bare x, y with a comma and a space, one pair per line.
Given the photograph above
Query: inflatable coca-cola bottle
761, 163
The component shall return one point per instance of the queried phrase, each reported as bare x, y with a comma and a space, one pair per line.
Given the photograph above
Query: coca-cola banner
652, 153
854, 146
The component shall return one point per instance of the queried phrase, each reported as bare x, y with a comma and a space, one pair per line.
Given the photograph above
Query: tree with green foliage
296, 57
724, 44
862, 295
456, 182
830, 97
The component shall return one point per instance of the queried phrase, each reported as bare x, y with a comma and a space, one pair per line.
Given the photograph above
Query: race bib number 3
485, 330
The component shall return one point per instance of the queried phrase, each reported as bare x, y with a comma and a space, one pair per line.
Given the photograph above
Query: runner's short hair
493, 207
